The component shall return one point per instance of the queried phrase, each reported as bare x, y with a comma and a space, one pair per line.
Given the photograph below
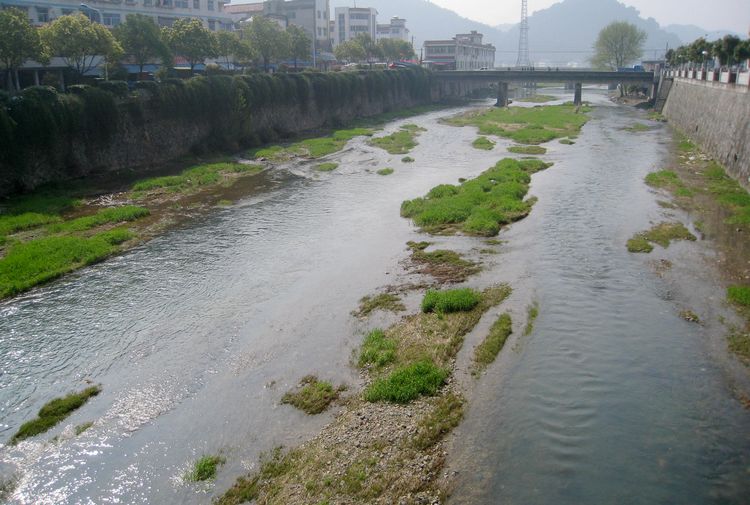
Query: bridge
462, 82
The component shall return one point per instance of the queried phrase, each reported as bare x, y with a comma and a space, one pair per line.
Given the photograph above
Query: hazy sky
711, 15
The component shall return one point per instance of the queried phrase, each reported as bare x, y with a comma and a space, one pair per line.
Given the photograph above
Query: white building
396, 29
463, 52
113, 12
349, 22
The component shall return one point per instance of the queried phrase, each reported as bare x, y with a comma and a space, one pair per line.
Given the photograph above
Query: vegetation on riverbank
385, 171
527, 150
326, 167
662, 234
478, 206
54, 412
483, 143
486, 352
311, 148
447, 267
400, 142
537, 99
383, 301
531, 314
637, 128
312, 396
525, 125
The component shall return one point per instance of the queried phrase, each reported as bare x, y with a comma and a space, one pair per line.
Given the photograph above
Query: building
463, 52
349, 22
396, 29
113, 12
311, 15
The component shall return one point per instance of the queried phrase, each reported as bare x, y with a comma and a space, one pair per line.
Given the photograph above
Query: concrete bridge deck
544, 75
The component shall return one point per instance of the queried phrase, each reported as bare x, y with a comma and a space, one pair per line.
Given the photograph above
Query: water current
196, 335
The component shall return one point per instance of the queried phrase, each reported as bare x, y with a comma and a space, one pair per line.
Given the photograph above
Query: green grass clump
407, 159
83, 427
53, 412
246, 489
313, 396
326, 167
483, 143
527, 150
195, 177
25, 221
525, 125
637, 127
663, 179
31, 263
44, 201
662, 234
400, 142
567, 142
383, 301
452, 300
532, 314
486, 352
311, 148
739, 295
478, 206
205, 468
537, 99
105, 216
377, 350
385, 171
729, 193
739, 343
407, 383
445, 415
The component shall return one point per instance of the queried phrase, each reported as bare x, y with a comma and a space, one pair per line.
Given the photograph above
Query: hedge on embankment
41, 123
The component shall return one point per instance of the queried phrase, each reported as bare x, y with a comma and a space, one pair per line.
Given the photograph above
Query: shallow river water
197, 334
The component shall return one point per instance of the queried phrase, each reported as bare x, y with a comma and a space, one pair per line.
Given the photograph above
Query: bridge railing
725, 76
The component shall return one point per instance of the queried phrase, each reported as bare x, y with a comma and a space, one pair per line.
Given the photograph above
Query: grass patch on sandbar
205, 468
83, 427
483, 143
451, 300
739, 295
407, 159
446, 414
313, 396
729, 193
668, 179
525, 125
109, 215
25, 221
567, 142
637, 128
326, 167
537, 99
383, 301
400, 142
662, 234
54, 412
385, 171
377, 350
531, 314
479, 206
739, 344
444, 265
310, 148
527, 150
486, 352
38, 261
195, 177
407, 383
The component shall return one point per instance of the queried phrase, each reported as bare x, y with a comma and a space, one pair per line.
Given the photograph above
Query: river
197, 334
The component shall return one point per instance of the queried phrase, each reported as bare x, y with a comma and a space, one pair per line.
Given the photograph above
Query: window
166, 3
210, 4
354, 15
212, 24
42, 14
182, 4
109, 19
196, 4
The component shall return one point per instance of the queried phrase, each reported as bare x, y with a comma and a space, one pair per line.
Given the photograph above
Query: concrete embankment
717, 117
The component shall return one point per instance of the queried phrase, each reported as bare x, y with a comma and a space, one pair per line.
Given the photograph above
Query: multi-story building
113, 12
351, 21
311, 15
463, 52
396, 29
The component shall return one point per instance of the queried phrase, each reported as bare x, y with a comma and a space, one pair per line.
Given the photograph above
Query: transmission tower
523, 41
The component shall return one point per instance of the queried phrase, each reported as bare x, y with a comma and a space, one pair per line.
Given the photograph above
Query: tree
141, 40
268, 39
191, 40
300, 45
350, 51
395, 49
372, 51
80, 42
618, 45
19, 41
724, 49
228, 46
698, 51
742, 51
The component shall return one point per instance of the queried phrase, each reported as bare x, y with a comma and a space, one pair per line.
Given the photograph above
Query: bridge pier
502, 94
578, 95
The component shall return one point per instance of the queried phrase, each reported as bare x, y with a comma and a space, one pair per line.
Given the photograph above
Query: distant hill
559, 35
688, 33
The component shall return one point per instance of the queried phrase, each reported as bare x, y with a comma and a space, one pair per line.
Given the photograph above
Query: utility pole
523, 41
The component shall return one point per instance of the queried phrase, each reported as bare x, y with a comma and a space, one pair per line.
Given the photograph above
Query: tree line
85, 45
363, 49
728, 51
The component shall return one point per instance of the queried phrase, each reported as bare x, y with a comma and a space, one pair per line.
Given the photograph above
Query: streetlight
705, 57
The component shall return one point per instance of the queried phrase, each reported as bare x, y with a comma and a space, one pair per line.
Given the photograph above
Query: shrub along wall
47, 136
